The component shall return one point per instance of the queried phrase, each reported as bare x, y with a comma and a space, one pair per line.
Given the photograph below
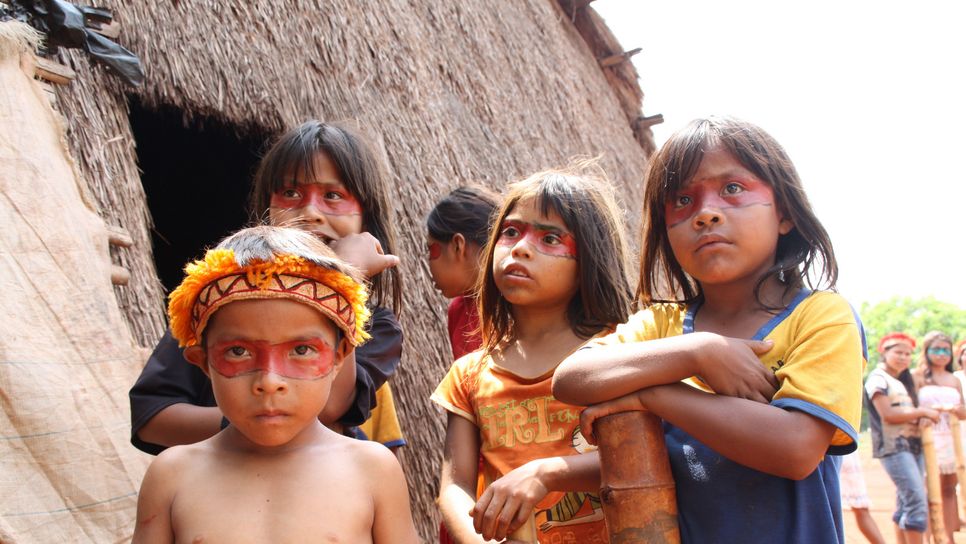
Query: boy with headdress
269, 315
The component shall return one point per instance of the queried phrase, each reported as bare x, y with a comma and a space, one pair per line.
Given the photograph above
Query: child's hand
627, 403
364, 252
730, 366
929, 415
508, 502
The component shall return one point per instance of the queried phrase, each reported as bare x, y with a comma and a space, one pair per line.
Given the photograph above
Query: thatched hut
451, 92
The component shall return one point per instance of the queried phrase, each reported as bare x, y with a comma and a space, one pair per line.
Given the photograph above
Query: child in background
937, 388
855, 495
553, 276
728, 228
270, 315
459, 226
894, 417
324, 178
959, 356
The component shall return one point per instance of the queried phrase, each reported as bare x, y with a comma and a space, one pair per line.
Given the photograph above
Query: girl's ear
459, 244
196, 355
785, 226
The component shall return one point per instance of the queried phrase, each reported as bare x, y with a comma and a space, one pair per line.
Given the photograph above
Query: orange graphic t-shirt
519, 421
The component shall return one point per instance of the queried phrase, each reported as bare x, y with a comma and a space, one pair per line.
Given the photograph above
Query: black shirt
168, 378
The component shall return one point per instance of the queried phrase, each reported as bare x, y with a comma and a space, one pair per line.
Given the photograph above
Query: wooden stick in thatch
960, 463
637, 490
933, 487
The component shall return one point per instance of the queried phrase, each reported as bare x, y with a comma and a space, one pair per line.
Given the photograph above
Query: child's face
271, 364
723, 225
320, 203
939, 353
453, 265
897, 358
535, 257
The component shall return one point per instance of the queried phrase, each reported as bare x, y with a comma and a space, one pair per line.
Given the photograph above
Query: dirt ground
882, 495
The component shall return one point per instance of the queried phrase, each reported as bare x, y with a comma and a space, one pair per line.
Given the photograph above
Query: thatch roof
452, 92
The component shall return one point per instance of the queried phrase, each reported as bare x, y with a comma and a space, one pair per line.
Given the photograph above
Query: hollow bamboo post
637, 490
526, 532
960, 463
933, 488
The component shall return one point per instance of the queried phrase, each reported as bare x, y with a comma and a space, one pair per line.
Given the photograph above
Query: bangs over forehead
555, 192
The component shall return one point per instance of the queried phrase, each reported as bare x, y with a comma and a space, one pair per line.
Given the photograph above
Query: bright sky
868, 98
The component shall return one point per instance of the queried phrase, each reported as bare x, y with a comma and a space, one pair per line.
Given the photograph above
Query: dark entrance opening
197, 176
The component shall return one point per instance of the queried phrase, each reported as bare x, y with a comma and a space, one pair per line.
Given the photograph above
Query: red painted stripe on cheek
435, 250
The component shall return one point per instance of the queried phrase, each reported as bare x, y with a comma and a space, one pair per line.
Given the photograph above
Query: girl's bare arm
729, 366
898, 414
458, 477
785, 443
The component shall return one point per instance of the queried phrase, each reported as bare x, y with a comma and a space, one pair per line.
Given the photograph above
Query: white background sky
868, 98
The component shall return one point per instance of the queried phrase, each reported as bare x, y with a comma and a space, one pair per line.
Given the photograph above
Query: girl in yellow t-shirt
553, 276
731, 249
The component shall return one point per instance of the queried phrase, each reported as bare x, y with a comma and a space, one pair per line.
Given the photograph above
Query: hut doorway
196, 176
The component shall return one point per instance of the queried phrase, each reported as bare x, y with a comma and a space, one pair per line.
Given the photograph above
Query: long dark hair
584, 200
805, 248
359, 169
467, 210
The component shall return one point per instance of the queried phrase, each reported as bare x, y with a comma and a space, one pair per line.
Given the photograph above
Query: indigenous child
459, 226
553, 276
938, 389
269, 315
728, 227
855, 495
323, 178
894, 417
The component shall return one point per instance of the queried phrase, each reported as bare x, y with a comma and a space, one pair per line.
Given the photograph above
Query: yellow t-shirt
383, 424
520, 420
818, 356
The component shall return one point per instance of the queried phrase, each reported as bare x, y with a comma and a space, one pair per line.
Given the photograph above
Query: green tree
912, 316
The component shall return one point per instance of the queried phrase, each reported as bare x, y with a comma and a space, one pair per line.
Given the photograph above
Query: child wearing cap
269, 315
894, 417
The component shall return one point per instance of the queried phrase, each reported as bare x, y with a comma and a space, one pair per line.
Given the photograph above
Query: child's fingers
485, 519
760, 347
587, 418
503, 520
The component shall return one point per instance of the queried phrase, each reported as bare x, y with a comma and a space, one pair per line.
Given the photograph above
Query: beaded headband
218, 279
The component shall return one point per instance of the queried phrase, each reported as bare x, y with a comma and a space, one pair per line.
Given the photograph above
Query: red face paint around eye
720, 194
545, 239
327, 198
299, 359
435, 250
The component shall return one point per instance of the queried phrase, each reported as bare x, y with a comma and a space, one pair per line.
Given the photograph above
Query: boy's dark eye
733, 188
681, 201
303, 349
509, 232
334, 195
290, 193
237, 351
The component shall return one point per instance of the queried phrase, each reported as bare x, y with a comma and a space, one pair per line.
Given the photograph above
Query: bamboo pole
960, 463
933, 488
637, 490
526, 532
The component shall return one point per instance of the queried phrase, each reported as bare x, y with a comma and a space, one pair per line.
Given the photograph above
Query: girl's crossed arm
729, 366
785, 443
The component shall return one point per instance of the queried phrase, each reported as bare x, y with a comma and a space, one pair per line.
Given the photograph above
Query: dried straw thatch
452, 92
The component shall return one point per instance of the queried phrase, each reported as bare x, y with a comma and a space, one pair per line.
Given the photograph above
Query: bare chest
273, 507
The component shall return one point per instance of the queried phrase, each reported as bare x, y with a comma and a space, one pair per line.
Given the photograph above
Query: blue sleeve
376, 361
